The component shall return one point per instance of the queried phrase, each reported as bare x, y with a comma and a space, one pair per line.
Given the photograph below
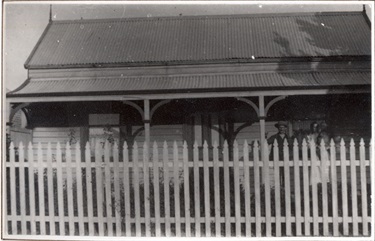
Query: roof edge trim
26, 65
258, 15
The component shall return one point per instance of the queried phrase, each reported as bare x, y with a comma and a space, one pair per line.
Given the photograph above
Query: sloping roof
192, 83
201, 39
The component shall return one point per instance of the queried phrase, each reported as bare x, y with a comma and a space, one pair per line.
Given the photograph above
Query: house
199, 79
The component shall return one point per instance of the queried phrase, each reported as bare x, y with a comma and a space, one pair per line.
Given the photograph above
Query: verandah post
262, 123
147, 121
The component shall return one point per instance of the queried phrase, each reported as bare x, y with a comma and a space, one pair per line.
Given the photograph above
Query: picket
69, 189
126, 183
109, 191
99, 187
344, 187
51, 192
197, 207
60, 180
353, 179
306, 195
297, 190
146, 187
107, 188
79, 165
216, 189
117, 190
167, 212
226, 191
176, 185
22, 187
287, 194
277, 187
334, 189
236, 176
267, 189
136, 183
314, 181
42, 223
324, 205
258, 220
207, 192
363, 186
89, 181
186, 190
246, 166
30, 155
12, 181
155, 156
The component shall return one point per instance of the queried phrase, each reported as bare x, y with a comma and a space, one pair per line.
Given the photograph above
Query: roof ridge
196, 17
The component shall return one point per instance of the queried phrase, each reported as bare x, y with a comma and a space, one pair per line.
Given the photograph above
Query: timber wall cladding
104, 195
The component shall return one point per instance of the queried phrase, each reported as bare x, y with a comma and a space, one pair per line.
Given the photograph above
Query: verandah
54, 192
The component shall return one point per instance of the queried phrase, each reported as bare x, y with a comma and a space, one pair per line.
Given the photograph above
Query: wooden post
262, 123
146, 121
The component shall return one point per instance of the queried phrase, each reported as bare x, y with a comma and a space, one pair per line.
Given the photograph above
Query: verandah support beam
15, 109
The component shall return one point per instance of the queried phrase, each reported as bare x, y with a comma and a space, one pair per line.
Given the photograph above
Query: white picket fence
54, 192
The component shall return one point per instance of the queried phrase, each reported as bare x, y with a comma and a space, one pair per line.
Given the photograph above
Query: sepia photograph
187, 119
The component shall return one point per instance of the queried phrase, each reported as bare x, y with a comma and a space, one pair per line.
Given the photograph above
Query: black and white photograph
187, 119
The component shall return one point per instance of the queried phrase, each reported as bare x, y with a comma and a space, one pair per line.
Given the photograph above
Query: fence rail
227, 191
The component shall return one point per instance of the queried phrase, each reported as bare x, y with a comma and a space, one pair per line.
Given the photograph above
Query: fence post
176, 182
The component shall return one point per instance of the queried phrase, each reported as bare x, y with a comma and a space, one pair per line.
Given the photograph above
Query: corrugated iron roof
192, 83
201, 39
